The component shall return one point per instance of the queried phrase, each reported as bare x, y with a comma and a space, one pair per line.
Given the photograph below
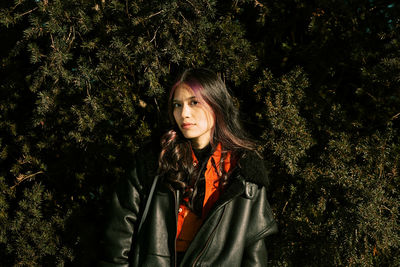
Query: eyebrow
176, 100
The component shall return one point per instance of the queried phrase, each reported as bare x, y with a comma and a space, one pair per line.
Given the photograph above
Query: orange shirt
188, 222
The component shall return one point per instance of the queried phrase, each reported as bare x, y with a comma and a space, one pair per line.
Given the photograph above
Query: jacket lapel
236, 188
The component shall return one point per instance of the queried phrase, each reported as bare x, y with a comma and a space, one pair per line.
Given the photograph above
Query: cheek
175, 116
211, 121
209, 117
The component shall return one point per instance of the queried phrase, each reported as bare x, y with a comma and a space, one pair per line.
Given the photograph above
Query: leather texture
233, 234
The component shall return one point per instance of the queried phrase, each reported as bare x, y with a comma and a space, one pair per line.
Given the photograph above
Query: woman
209, 206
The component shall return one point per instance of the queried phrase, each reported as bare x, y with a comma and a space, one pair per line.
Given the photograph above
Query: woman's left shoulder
255, 172
253, 168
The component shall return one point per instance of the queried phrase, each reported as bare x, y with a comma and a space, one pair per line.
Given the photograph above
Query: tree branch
27, 12
22, 178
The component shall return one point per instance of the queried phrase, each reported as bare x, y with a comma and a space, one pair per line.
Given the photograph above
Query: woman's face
194, 118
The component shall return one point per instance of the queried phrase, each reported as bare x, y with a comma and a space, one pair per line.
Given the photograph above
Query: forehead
183, 91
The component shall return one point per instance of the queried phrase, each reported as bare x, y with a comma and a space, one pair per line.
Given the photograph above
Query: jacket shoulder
253, 168
146, 162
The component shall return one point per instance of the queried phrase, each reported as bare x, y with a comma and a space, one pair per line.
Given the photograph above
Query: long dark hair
175, 162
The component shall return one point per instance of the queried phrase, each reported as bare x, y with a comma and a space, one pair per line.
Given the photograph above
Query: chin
189, 136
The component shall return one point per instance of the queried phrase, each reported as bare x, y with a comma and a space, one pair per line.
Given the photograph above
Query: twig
395, 116
155, 33
155, 14
386, 208
27, 12
158, 108
283, 210
183, 17
193, 6
20, 180
106, 84
373, 97
52, 42
72, 31
87, 89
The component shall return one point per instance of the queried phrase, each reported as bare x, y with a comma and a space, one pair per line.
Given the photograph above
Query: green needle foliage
83, 84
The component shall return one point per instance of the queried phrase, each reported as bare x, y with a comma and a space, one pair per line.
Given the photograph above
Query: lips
187, 125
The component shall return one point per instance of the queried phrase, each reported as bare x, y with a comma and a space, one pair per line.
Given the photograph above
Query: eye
176, 105
194, 102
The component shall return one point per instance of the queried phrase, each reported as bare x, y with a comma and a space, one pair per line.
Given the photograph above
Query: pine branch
27, 12
22, 178
155, 14
395, 116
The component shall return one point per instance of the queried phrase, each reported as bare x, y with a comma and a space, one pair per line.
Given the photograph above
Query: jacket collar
251, 167
234, 189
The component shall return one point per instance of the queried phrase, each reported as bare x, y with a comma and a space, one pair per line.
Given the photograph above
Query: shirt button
180, 209
194, 164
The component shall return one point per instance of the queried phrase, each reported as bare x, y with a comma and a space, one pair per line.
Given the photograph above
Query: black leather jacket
232, 234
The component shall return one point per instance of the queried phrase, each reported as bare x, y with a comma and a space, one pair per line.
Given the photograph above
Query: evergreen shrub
84, 85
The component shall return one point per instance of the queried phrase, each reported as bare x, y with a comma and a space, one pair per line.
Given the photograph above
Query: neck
201, 141
199, 145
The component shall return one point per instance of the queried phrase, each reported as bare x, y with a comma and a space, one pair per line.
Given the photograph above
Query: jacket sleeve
263, 223
255, 255
121, 219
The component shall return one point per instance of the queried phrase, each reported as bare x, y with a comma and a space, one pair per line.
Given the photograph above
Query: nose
185, 111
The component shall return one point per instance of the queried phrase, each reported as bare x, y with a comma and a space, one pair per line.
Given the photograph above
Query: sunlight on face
194, 118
